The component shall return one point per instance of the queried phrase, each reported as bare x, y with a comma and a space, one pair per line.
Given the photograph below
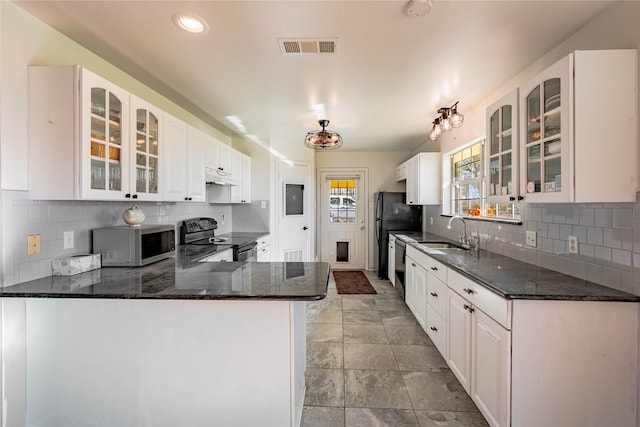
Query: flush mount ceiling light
190, 22
448, 119
418, 7
323, 139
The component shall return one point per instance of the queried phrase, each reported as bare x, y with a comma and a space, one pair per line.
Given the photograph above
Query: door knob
305, 228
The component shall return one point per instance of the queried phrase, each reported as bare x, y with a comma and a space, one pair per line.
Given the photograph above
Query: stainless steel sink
440, 245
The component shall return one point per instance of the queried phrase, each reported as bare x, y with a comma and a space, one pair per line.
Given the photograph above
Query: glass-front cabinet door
104, 139
502, 150
545, 105
145, 151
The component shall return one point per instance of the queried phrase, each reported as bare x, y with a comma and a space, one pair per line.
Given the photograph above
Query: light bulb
190, 22
446, 123
456, 118
437, 130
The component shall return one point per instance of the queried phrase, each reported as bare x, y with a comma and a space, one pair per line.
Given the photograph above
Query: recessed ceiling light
190, 22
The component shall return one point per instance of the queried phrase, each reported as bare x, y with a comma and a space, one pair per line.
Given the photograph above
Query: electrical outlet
573, 244
263, 204
33, 244
430, 220
531, 239
68, 240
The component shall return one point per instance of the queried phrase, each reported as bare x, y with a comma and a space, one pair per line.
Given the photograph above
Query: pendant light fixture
323, 139
448, 119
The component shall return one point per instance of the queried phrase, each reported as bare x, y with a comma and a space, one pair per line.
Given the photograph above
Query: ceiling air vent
308, 46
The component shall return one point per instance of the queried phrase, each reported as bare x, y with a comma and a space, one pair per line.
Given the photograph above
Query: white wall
616, 28
28, 41
382, 177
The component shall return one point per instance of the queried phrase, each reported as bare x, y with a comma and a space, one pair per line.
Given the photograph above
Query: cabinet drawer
224, 256
264, 241
437, 295
432, 266
482, 298
437, 330
437, 269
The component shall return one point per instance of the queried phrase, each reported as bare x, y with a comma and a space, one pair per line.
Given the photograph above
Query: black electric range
201, 231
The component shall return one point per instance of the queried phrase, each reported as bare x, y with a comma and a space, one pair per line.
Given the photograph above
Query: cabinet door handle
469, 291
433, 294
469, 308
434, 329
135, 196
128, 195
413, 264
434, 268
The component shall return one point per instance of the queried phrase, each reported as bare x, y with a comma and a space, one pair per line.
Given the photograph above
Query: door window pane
343, 203
293, 199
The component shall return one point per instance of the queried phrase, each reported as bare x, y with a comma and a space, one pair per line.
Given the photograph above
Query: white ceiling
381, 90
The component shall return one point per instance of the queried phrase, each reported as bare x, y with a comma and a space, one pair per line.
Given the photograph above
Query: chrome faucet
464, 239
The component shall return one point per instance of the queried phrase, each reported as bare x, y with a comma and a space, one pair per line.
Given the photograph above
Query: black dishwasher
401, 252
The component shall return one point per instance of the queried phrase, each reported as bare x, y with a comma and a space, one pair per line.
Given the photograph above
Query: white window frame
447, 180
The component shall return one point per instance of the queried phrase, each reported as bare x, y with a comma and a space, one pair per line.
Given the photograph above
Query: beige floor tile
368, 417
369, 356
364, 334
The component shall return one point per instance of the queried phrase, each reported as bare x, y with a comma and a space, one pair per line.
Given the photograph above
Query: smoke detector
419, 7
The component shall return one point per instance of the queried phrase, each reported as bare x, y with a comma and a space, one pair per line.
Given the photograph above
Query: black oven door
401, 251
248, 252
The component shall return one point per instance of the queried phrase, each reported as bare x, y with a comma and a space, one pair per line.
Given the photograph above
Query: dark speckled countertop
513, 279
183, 277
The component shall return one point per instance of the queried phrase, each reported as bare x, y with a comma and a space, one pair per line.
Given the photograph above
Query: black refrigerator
393, 214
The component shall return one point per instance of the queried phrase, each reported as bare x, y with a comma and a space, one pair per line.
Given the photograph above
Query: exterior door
343, 208
293, 212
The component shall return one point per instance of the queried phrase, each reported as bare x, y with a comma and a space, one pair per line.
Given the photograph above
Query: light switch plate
573, 244
531, 239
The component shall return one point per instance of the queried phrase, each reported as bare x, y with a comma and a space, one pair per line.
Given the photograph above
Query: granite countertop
183, 277
513, 279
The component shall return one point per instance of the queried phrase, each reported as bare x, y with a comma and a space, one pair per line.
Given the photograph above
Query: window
342, 201
467, 190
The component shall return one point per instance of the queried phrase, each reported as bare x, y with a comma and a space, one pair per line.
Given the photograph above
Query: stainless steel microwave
134, 246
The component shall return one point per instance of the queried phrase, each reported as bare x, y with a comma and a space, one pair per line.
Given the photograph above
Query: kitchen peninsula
178, 342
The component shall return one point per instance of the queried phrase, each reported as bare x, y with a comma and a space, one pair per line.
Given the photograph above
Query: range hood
218, 177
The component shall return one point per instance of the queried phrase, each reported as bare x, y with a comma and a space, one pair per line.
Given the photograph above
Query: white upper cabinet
423, 179
401, 171
186, 156
175, 166
502, 150
146, 167
578, 129
196, 149
225, 161
211, 153
241, 193
79, 140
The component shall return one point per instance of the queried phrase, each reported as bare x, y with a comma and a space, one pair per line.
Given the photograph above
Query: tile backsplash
252, 216
608, 239
50, 219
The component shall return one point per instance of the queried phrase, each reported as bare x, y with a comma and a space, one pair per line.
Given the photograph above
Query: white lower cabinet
526, 362
490, 368
416, 291
459, 339
264, 248
479, 346
391, 260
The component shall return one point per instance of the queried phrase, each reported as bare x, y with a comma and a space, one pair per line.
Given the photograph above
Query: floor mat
352, 282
